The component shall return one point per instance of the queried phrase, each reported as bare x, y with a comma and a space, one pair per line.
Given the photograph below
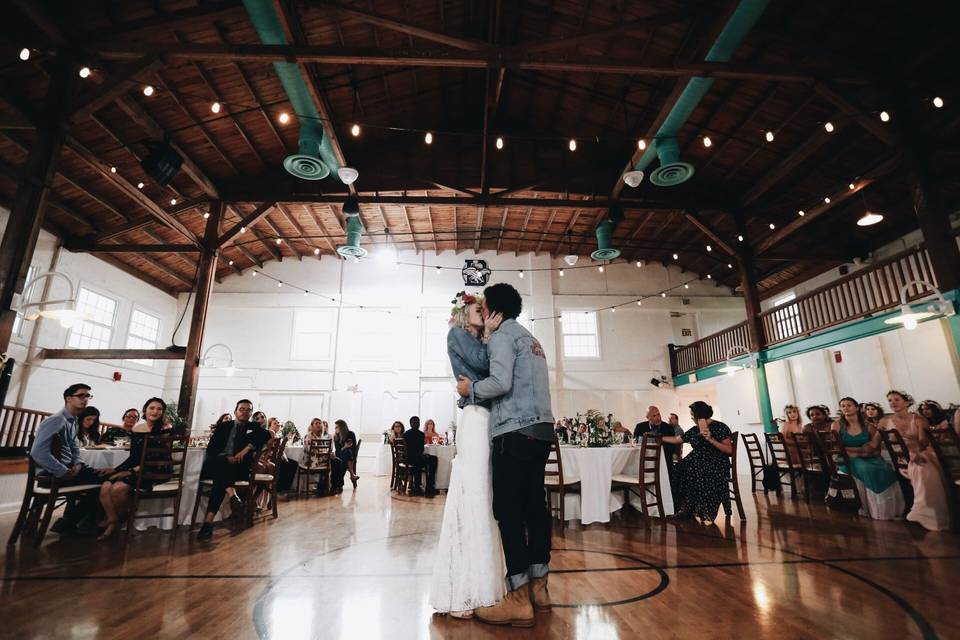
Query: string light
663, 294
305, 293
148, 90
284, 117
676, 257
206, 215
355, 130
772, 226
769, 136
613, 309
729, 265
113, 169
499, 143
279, 240
279, 284
25, 54
521, 273
639, 264
709, 277
243, 229
827, 199
686, 286
884, 116
828, 126
438, 270
572, 145
740, 238
561, 273
139, 185
641, 144
84, 72
852, 186
230, 263
173, 201
709, 248
600, 268
215, 107
639, 303
801, 213
938, 102
254, 273
428, 138
316, 251
707, 142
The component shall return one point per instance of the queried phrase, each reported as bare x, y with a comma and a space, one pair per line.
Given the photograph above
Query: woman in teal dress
876, 479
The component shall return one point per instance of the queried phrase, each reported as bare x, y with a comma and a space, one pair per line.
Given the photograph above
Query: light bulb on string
729, 265
148, 90
279, 241
561, 273
639, 264
521, 273
801, 213
572, 145
676, 257
206, 215
739, 238
25, 54
884, 116
709, 248
499, 143
772, 226
279, 284
438, 270
428, 138
663, 294
709, 277
284, 117
827, 199
707, 142
600, 268
215, 107
173, 201
852, 186
355, 130
641, 144
84, 72
639, 303
316, 251
613, 309
139, 185
230, 263
254, 273
769, 136
938, 102
686, 286
828, 126
113, 169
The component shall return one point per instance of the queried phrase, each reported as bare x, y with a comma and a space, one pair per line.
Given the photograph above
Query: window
313, 334
787, 319
579, 330
18, 320
96, 332
144, 333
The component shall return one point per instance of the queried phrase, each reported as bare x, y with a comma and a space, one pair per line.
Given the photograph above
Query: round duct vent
350, 251
306, 167
672, 174
605, 254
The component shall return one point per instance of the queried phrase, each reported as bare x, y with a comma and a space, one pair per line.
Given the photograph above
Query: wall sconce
206, 361
736, 353
67, 312
936, 307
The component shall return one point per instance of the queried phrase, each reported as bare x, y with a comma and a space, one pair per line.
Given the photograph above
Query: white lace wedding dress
469, 569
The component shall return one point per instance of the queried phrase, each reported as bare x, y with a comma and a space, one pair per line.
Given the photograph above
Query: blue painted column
763, 395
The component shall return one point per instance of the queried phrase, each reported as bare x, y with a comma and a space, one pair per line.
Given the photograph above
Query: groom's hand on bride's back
463, 386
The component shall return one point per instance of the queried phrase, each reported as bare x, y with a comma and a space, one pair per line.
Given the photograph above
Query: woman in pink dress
930, 507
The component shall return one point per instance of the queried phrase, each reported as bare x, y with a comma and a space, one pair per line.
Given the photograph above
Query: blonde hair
458, 314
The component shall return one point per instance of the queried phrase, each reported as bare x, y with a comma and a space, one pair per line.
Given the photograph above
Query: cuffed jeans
520, 507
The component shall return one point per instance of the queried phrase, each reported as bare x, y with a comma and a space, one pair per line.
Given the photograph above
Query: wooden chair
404, 468
835, 456
267, 482
757, 461
646, 484
393, 465
162, 463
242, 487
900, 458
318, 452
811, 461
782, 462
733, 483
946, 445
554, 482
39, 503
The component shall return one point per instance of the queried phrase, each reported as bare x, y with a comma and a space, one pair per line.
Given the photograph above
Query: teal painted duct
353, 249
605, 250
315, 159
672, 171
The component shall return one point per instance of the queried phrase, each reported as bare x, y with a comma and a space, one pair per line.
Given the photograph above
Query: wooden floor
358, 567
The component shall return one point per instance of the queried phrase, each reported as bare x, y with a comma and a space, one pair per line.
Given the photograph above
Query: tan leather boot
514, 610
540, 595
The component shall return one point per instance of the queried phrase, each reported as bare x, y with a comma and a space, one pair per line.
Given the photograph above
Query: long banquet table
595, 468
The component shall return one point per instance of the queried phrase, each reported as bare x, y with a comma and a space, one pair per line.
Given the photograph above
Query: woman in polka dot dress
703, 474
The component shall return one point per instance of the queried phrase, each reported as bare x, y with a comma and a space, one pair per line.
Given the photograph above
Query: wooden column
206, 269
933, 219
29, 203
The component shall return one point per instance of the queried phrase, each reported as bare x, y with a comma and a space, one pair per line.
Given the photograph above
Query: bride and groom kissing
495, 521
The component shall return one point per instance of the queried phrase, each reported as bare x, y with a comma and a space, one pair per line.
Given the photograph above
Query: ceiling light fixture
884, 116
428, 138
641, 144
572, 145
499, 143
25, 54
284, 117
769, 136
84, 72
869, 218
938, 102
707, 142
355, 130
910, 318
828, 126
148, 90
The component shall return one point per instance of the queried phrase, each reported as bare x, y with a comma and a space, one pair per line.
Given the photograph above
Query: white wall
48, 378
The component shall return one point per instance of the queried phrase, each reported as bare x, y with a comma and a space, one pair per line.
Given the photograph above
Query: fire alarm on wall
117, 376
837, 357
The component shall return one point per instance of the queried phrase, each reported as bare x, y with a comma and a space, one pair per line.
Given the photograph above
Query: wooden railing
18, 425
858, 295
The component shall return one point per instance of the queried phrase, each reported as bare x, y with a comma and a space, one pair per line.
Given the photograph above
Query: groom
521, 426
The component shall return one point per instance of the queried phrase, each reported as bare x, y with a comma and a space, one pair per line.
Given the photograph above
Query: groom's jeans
520, 507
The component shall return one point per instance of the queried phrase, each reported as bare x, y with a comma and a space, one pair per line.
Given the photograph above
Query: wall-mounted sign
475, 273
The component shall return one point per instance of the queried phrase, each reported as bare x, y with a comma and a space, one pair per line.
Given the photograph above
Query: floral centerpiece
599, 433
290, 431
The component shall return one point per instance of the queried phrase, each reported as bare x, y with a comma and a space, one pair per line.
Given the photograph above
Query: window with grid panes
579, 329
144, 333
96, 332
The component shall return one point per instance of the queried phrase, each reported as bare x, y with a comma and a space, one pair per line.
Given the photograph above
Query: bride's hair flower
460, 302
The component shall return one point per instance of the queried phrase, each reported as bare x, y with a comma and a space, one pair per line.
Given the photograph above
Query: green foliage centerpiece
598, 428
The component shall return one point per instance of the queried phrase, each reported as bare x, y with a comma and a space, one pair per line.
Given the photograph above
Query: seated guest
674, 421
876, 480
702, 475
790, 426
325, 432
561, 430
396, 431
930, 506
88, 431
115, 492
934, 413
130, 418
345, 443
872, 413
228, 459
311, 459
619, 428
274, 427
430, 435
224, 417
819, 417
56, 451
260, 418
655, 424
419, 460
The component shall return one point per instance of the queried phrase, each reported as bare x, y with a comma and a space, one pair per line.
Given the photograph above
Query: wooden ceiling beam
413, 237
546, 229
280, 237
14, 174
282, 195
708, 230
118, 83
323, 230
523, 230
870, 123
497, 58
202, 13
170, 353
245, 221
292, 221
503, 223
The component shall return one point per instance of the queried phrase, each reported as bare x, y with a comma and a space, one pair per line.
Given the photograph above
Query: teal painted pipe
314, 142
741, 22
605, 250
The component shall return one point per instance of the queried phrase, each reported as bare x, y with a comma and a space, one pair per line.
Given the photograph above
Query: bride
469, 568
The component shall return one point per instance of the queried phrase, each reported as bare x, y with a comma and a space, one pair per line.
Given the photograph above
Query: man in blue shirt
56, 451
521, 427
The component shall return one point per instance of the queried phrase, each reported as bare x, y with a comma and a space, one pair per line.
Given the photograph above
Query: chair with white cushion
554, 482
646, 482
272, 453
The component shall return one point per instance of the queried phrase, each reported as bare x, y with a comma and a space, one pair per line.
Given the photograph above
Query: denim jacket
468, 357
519, 383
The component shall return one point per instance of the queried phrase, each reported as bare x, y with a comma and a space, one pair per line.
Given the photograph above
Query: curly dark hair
504, 299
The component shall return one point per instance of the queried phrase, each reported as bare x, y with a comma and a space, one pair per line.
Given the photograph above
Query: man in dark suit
655, 424
419, 460
229, 458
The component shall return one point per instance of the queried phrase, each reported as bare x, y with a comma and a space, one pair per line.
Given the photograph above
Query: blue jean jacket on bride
468, 357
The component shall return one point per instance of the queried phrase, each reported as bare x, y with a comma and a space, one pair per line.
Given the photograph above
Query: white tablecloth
444, 455
293, 452
99, 458
595, 468
384, 463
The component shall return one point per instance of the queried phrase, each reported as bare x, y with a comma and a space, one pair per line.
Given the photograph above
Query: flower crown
903, 394
460, 302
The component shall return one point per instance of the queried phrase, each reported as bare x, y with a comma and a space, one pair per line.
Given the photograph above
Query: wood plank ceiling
802, 66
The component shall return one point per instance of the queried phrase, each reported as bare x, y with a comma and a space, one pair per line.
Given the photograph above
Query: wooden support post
29, 203
934, 220
206, 269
